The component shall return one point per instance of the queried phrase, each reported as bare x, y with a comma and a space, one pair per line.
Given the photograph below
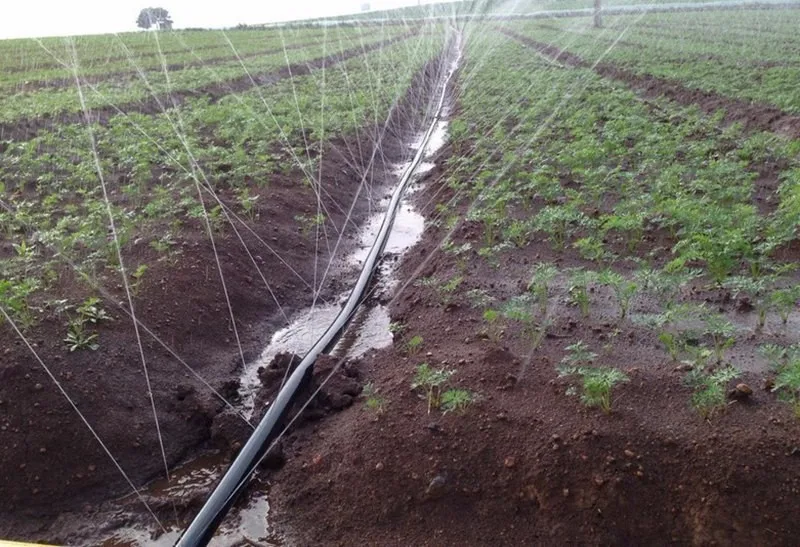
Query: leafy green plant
414, 344
674, 339
578, 354
248, 202
91, 312
216, 219
137, 276
461, 252
784, 301
78, 337
517, 232
14, 298
560, 222
722, 333
662, 283
518, 309
541, 277
780, 356
624, 289
709, 387
630, 226
430, 380
447, 290
24, 251
579, 282
591, 248
787, 384
310, 223
756, 289
597, 383
456, 400
785, 360
374, 401
492, 319
479, 298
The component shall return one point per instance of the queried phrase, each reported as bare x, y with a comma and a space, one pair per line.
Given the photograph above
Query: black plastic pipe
204, 525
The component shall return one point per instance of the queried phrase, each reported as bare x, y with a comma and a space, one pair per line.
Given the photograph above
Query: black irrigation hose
202, 528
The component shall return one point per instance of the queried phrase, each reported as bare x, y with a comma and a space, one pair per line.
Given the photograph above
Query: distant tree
158, 17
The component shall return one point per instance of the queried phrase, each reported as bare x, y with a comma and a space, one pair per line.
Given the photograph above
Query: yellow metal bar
4, 543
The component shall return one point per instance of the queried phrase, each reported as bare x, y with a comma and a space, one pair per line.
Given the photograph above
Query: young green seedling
414, 344
78, 337
722, 333
492, 319
447, 290
709, 386
560, 222
674, 340
430, 380
137, 276
518, 309
597, 386
579, 281
374, 401
784, 301
539, 285
756, 289
454, 400
787, 384
624, 290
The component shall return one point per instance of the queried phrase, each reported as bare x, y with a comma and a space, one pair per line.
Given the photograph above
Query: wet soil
527, 464
54, 473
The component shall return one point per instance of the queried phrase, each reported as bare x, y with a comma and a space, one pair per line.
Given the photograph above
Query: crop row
770, 85
56, 101
683, 44
27, 55
153, 59
54, 208
776, 23
645, 203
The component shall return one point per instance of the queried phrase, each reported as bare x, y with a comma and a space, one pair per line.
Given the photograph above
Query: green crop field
231, 140
610, 263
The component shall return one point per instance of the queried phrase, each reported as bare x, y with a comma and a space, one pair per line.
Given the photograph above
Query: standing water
371, 321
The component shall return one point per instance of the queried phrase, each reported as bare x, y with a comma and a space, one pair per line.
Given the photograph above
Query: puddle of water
423, 168
407, 231
249, 522
438, 137
189, 482
372, 324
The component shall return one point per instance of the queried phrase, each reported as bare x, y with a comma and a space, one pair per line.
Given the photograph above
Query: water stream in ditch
369, 330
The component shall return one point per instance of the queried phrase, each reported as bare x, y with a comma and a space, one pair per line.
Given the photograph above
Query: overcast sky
29, 18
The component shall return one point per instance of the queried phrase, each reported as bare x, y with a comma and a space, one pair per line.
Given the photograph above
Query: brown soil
526, 464
753, 116
27, 128
50, 463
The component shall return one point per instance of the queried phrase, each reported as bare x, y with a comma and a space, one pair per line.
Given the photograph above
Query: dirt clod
740, 392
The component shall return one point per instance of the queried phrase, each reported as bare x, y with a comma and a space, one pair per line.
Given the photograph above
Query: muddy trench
124, 521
